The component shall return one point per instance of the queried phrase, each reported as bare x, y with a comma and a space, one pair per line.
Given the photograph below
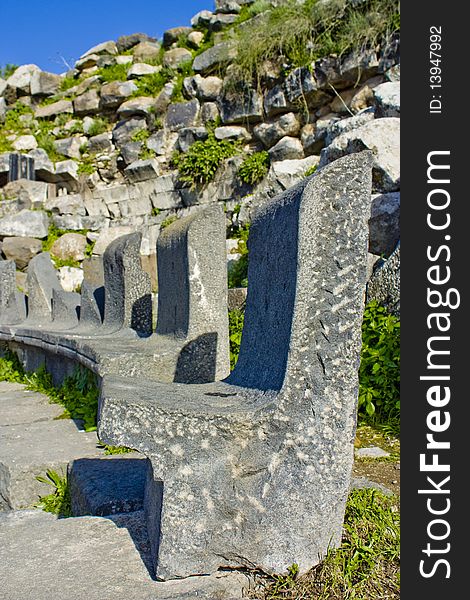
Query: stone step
91, 558
107, 485
31, 442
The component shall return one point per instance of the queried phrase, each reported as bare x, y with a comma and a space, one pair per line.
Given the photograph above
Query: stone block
141, 170
21, 250
182, 114
41, 281
275, 437
128, 301
25, 223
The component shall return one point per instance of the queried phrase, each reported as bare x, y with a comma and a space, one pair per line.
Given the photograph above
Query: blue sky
43, 31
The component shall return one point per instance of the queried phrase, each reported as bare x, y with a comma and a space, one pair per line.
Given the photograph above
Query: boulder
270, 133
182, 114
139, 69
70, 146
71, 278
170, 36
126, 42
69, 246
287, 148
146, 50
130, 152
176, 57
141, 170
209, 113
195, 39
384, 285
25, 223
52, 110
275, 101
345, 71
66, 204
204, 88
382, 136
44, 84
163, 100
20, 80
123, 130
100, 143
202, 18
300, 88
384, 223
232, 132
387, 99
213, 57
108, 235
141, 106
228, 6
188, 135
336, 127
21, 250
219, 21
66, 171
30, 194
3, 109
87, 104
88, 62
113, 94
241, 106
25, 143
108, 47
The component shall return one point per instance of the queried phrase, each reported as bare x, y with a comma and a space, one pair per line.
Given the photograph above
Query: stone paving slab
20, 406
27, 450
88, 558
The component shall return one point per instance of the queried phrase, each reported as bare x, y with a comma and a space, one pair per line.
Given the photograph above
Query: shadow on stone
141, 309
197, 360
113, 487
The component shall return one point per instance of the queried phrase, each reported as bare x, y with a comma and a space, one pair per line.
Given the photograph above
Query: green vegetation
110, 450
199, 165
140, 135
296, 34
365, 566
57, 502
250, 11
184, 70
7, 70
379, 372
235, 327
238, 274
168, 221
113, 73
152, 84
99, 125
311, 171
69, 82
254, 167
87, 165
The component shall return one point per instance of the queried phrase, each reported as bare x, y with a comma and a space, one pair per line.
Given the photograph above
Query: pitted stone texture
192, 294
384, 285
11, 309
384, 223
41, 281
276, 437
128, 290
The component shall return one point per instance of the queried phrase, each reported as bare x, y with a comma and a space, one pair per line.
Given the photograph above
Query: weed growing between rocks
201, 162
295, 34
379, 373
58, 501
365, 566
235, 324
254, 168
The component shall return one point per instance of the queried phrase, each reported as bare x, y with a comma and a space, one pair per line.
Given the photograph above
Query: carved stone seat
191, 338
255, 470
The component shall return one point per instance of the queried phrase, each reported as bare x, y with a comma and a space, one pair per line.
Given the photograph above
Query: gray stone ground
43, 557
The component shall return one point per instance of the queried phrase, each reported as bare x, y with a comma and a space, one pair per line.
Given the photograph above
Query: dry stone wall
91, 151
